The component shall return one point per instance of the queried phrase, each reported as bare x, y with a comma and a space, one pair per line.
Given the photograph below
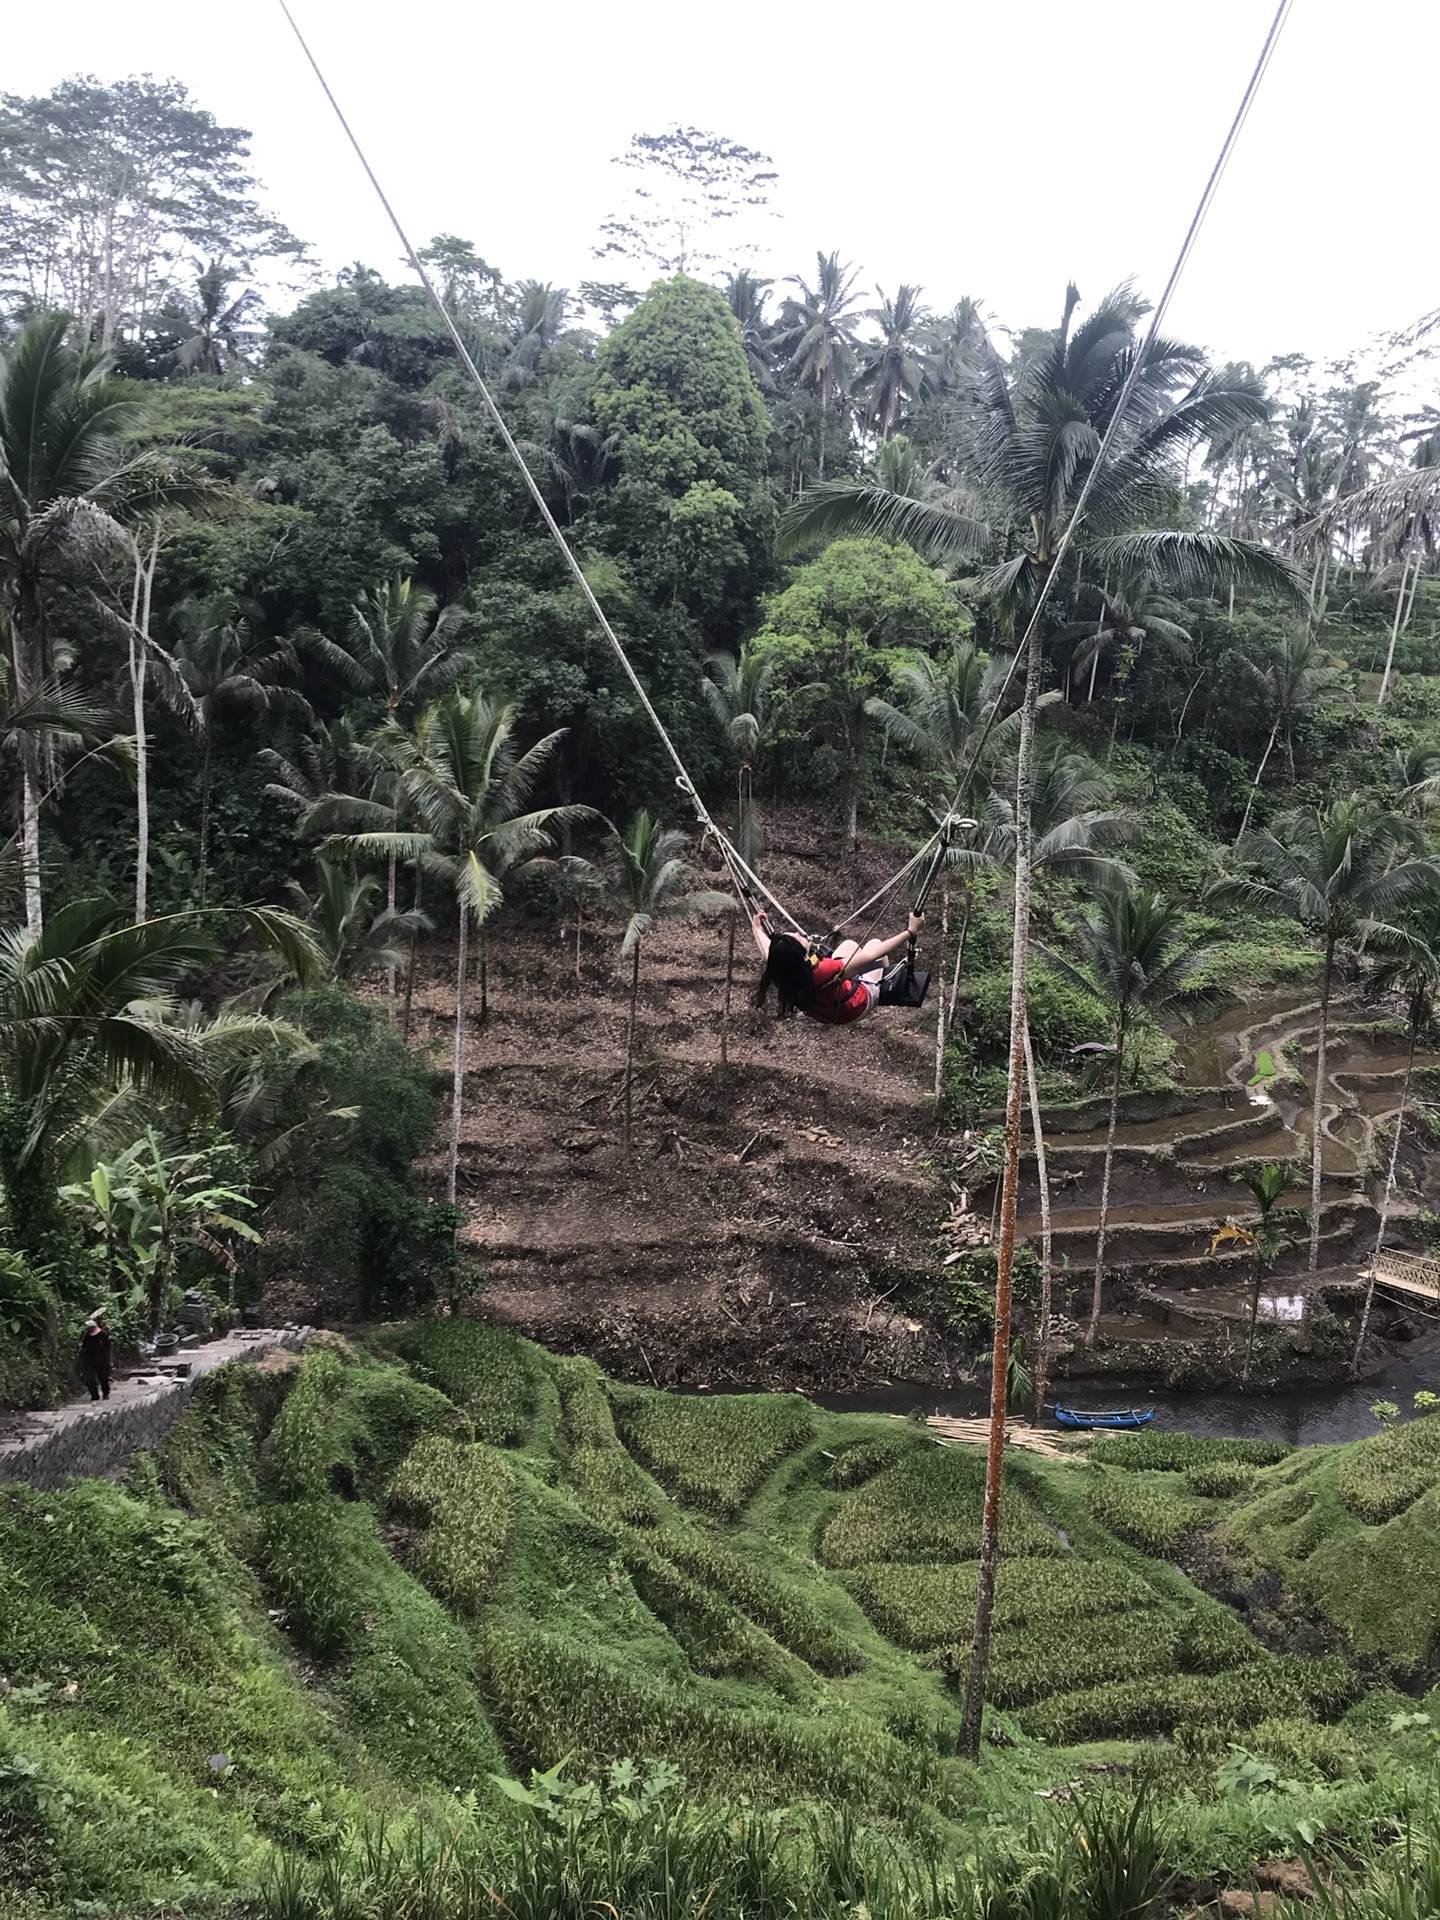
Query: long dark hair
788, 970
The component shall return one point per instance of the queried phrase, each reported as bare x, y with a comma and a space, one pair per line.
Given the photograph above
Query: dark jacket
95, 1350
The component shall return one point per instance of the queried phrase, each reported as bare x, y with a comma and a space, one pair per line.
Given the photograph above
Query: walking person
95, 1356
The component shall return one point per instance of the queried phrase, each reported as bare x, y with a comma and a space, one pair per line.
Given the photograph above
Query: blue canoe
1127, 1417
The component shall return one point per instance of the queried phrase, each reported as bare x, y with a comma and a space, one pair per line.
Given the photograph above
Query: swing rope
745, 881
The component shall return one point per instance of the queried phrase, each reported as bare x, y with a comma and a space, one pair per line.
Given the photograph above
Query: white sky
984, 149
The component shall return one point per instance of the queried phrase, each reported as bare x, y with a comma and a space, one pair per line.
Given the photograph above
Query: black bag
903, 985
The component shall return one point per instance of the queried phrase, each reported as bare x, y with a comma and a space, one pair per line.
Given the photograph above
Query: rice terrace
720, 994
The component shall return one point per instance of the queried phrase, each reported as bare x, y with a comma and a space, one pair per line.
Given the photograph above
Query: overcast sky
986, 149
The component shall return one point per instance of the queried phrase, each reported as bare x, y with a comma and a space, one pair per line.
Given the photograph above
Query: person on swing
837, 988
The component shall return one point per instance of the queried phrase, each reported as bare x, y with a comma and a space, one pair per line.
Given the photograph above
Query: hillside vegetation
351, 1590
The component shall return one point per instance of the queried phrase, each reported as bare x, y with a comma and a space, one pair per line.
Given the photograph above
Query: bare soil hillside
773, 1222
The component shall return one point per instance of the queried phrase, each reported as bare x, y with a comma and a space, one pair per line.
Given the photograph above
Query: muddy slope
774, 1220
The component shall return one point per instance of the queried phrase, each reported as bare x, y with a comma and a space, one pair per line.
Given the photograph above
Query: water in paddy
1302, 1419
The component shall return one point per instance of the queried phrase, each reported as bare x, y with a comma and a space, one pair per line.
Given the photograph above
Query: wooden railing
1407, 1272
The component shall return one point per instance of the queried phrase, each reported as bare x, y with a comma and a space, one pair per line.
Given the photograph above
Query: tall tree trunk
390, 970
1259, 774
1317, 1135
725, 1010
967, 1741
139, 661
1384, 1205
940, 996
960, 949
1395, 625
630, 1039
457, 1096
484, 958
1092, 1329
1254, 1316
27, 635
410, 965
1047, 1242
205, 815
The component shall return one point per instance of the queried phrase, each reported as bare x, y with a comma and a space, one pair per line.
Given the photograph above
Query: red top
837, 1001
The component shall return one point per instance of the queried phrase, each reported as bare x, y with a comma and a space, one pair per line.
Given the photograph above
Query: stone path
103, 1436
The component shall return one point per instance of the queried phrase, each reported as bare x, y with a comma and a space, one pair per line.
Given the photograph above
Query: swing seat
903, 985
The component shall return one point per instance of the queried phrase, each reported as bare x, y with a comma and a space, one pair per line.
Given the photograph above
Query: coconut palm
226, 664
462, 776
737, 689
1334, 869
1296, 678
88, 1014
1406, 958
71, 471
353, 930
398, 650
892, 368
648, 874
1263, 1237
745, 295
1145, 964
819, 332
1124, 623
222, 327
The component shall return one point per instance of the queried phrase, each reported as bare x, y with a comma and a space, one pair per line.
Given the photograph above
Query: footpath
103, 1436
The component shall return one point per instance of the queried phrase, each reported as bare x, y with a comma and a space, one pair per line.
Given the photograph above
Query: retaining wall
102, 1437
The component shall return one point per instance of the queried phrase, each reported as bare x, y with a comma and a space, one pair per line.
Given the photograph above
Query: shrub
929, 1606
346, 1217
1146, 1514
464, 1497
1175, 1452
1384, 1476
1219, 1479
481, 1368
714, 1452
927, 1507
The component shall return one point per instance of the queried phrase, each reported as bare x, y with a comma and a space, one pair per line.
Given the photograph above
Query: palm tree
1296, 678
398, 650
341, 913
1335, 869
1264, 1237
1407, 961
88, 1011
892, 368
219, 323
70, 473
1040, 426
737, 688
820, 333
745, 296
1144, 964
648, 874
939, 709
225, 663
461, 774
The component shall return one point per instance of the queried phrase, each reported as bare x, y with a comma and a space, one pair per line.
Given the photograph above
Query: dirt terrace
774, 1221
